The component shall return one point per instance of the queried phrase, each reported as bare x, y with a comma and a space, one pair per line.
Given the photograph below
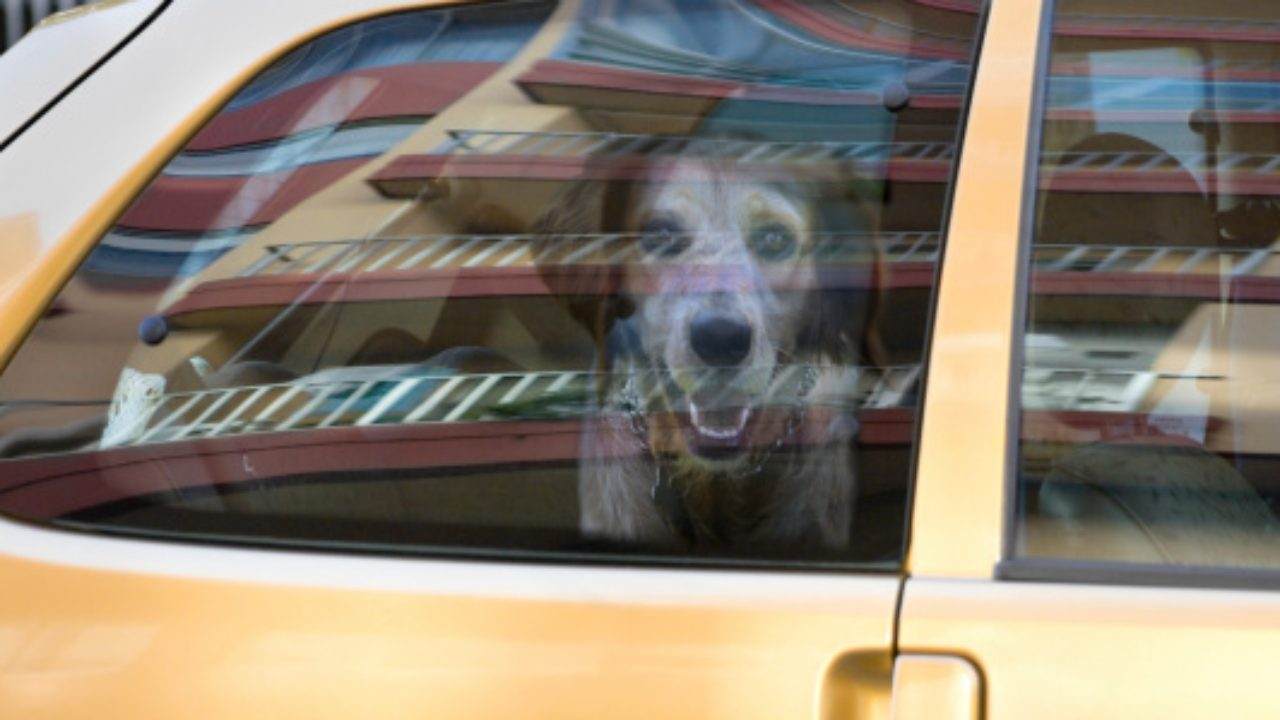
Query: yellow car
641, 358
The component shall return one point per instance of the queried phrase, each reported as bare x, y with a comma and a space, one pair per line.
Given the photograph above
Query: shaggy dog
727, 355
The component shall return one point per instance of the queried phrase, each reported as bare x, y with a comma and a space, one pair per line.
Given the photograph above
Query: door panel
1050, 650
308, 236
349, 637
1144, 448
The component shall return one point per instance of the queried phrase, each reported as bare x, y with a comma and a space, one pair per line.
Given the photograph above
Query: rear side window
1151, 389
602, 279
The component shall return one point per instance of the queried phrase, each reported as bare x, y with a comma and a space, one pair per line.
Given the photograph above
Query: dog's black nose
720, 339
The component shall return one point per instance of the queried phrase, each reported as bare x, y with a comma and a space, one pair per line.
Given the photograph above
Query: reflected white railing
609, 144
432, 252
1238, 164
429, 252
1224, 261
406, 394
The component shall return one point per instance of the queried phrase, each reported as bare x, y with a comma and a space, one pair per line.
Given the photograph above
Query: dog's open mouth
718, 412
718, 426
718, 423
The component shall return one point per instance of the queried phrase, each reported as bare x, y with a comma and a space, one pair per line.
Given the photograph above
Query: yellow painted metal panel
957, 513
1051, 651
81, 643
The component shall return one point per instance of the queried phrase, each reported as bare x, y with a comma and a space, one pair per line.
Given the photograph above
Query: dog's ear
843, 307
588, 288
840, 315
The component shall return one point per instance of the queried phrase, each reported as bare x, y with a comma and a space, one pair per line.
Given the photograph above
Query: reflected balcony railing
409, 395
1222, 274
608, 156
528, 265
436, 252
424, 252
606, 144
1175, 260
1239, 162
436, 267
355, 397
1242, 173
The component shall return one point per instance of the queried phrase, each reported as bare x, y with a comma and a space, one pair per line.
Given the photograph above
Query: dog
726, 356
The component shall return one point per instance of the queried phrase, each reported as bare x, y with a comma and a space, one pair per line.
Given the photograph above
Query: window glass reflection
1148, 424
641, 278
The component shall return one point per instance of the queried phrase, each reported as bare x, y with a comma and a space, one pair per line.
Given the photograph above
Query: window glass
627, 278
1151, 389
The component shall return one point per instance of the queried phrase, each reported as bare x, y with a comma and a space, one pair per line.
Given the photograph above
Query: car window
1149, 389
646, 278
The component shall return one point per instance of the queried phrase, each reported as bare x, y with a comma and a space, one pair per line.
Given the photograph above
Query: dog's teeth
719, 433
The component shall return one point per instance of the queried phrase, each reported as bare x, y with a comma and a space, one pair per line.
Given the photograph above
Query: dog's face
727, 279
737, 299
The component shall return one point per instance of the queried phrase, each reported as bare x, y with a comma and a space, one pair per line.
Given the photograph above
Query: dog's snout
719, 338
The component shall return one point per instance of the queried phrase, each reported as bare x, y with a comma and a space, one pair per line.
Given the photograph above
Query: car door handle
935, 687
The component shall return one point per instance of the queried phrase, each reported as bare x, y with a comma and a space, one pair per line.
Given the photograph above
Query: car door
1135, 573
310, 337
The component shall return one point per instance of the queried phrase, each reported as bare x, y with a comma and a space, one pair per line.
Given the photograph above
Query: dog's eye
663, 237
773, 241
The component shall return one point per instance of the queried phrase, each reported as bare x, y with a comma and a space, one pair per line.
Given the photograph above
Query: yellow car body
97, 626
